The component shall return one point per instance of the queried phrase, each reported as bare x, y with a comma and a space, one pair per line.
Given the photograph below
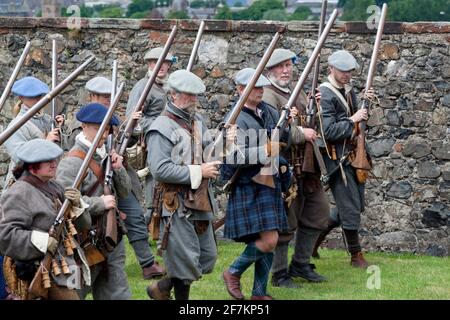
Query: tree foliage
257, 9
140, 15
197, 4
419, 10
301, 13
275, 15
224, 13
85, 12
139, 6
398, 10
111, 12
177, 15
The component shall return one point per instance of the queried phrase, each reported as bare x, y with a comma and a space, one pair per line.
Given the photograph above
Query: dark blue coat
253, 208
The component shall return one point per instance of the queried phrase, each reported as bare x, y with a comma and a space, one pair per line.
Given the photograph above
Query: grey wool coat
153, 106
109, 282
68, 169
35, 128
189, 253
26, 209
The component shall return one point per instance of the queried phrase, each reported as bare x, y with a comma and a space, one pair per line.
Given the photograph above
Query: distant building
244, 3
93, 3
14, 8
180, 5
202, 13
314, 5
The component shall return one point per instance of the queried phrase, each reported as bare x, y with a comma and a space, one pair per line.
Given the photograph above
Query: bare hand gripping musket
311, 149
14, 74
38, 287
44, 101
131, 123
361, 162
243, 99
301, 82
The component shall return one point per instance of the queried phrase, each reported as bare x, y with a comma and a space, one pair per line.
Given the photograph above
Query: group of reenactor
271, 202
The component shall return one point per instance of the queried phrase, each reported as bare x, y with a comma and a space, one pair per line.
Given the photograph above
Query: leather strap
338, 95
93, 165
179, 121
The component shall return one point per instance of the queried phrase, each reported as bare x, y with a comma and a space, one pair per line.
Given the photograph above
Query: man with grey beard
308, 206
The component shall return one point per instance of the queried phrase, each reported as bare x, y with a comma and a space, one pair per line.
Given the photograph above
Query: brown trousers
309, 209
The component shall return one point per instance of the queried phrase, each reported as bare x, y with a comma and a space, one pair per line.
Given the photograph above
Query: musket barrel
14, 74
317, 63
140, 104
196, 45
44, 101
80, 175
54, 72
249, 87
373, 60
114, 80
312, 60
309, 111
373, 63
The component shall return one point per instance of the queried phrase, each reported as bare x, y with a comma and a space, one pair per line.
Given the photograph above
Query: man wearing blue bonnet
29, 90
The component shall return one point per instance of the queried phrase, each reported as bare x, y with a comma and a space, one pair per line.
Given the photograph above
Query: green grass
403, 276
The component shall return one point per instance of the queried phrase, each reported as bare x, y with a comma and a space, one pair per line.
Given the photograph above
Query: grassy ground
402, 276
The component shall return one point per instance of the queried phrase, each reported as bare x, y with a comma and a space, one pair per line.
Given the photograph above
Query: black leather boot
181, 289
305, 271
283, 279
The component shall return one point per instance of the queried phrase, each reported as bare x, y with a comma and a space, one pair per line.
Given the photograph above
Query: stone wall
407, 200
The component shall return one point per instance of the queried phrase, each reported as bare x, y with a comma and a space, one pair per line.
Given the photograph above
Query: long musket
54, 73
307, 69
243, 98
156, 217
112, 216
44, 101
361, 162
14, 74
131, 123
196, 45
37, 289
249, 87
114, 80
301, 82
311, 148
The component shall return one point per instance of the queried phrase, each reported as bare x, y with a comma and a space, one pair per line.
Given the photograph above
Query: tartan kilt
253, 208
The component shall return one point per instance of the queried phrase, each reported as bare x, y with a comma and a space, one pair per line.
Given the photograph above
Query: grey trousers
349, 199
109, 282
188, 254
137, 229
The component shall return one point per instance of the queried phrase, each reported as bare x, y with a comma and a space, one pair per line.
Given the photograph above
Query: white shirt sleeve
195, 173
40, 240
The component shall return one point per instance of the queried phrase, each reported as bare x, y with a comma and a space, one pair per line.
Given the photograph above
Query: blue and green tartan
253, 208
